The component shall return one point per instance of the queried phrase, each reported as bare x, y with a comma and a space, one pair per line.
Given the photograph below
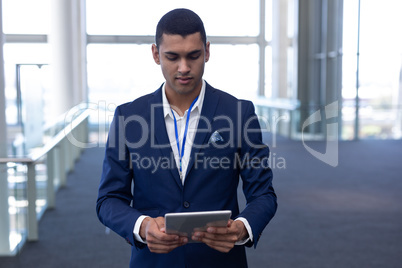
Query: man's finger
218, 230
222, 246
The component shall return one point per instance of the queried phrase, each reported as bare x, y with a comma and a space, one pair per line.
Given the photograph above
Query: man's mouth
184, 80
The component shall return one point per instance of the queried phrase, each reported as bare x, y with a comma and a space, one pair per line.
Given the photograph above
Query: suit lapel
158, 133
208, 110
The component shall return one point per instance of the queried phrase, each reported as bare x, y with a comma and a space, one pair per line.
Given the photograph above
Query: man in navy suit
184, 148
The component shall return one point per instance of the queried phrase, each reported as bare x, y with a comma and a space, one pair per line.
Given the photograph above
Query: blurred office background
320, 73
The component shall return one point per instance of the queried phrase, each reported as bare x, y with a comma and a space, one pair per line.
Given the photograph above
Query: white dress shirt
181, 123
192, 129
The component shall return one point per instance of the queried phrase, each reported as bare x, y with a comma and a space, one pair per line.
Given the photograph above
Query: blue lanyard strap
185, 132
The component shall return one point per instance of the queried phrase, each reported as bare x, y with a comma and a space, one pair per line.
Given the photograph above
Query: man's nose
184, 66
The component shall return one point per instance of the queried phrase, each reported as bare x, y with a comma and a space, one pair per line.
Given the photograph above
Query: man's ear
155, 54
207, 51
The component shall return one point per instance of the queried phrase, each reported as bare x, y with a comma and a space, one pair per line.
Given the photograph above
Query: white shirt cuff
248, 228
137, 227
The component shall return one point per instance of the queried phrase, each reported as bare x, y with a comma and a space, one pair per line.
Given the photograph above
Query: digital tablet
186, 223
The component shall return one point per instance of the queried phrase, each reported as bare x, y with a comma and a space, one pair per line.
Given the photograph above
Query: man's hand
223, 239
152, 230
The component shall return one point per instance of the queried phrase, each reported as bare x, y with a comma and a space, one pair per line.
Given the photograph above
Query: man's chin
185, 90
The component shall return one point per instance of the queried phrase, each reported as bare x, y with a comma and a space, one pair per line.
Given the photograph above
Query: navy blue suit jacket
140, 176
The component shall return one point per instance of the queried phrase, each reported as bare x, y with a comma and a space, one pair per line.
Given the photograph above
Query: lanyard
185, 132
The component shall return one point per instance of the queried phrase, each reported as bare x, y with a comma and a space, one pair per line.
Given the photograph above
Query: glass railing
294, 120
33, 179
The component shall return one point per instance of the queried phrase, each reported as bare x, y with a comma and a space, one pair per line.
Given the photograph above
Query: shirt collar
197, 105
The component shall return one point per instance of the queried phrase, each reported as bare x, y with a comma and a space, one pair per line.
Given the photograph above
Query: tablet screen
185, 223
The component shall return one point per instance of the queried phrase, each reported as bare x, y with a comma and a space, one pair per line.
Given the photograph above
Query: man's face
182, 61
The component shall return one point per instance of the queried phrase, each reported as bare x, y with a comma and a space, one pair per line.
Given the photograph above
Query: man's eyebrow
194, 52
176, 54
171, 53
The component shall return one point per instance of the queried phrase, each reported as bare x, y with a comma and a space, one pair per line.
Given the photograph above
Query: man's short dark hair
180, 21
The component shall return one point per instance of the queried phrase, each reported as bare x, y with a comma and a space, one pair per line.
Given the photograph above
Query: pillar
319, 61
67, 40
280, 44
398, 106
4, 216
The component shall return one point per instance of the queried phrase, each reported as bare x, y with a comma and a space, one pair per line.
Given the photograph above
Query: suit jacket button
186, 204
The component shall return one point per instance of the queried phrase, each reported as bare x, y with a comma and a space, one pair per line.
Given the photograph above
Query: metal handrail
35, 156
277, 103
272, 109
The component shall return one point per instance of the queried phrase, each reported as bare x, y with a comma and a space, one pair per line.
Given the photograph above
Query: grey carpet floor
344, 216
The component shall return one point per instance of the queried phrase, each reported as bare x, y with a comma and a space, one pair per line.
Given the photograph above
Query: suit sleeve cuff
137, 227
248, 228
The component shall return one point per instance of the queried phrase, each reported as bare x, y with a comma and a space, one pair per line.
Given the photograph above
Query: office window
379, 69
33, 75
234, 69
127, 17
26, 16
121, 73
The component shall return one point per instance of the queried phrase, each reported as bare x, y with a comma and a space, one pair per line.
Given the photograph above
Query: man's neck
181, 102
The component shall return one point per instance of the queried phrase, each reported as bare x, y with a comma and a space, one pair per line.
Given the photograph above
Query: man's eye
171, 58
194, 57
